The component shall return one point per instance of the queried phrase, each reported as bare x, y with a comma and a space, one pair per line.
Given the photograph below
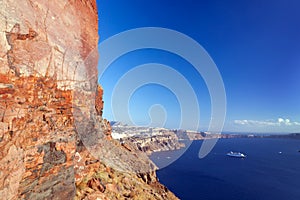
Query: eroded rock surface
48, 89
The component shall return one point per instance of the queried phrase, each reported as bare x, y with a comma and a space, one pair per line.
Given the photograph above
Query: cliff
54, 143
146, 139
166, 142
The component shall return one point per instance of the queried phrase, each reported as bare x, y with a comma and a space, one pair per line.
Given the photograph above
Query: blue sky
255, 45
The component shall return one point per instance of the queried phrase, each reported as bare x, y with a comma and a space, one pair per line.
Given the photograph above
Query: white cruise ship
236, 154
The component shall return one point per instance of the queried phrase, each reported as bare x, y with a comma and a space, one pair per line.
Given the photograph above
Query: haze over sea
271, 170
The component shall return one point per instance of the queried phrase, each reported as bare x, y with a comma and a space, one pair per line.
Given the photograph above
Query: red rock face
48, 72
99, 101
43, 44
37, 141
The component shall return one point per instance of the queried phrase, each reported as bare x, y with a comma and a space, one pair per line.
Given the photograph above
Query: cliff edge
54, 143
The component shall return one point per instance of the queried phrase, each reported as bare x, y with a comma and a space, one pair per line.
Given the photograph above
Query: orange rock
111, 188
99, 101
4, 78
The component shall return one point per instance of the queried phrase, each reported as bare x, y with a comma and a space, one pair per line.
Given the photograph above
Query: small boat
236, 154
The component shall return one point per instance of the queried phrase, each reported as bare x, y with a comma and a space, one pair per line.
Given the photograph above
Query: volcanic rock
51, 107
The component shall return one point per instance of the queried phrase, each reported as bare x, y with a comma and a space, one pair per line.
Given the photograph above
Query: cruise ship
236, 154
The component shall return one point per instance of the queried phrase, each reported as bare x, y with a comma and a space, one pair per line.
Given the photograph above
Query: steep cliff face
42, 46
50, 103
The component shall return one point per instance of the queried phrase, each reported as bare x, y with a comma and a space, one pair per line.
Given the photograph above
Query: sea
271, 170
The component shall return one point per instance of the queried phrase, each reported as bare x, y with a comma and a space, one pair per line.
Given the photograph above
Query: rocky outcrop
50, 110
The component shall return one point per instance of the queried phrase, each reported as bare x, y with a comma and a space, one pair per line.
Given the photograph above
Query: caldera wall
48, 72
44, 49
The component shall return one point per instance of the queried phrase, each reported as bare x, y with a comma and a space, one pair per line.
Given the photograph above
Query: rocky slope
54, 143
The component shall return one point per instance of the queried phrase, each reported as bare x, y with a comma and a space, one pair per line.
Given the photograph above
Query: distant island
154, 139
146, 139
